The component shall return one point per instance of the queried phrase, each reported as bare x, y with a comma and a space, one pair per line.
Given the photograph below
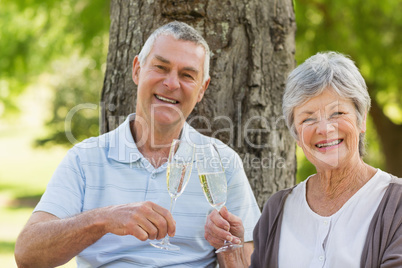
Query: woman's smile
326, 145
327, 130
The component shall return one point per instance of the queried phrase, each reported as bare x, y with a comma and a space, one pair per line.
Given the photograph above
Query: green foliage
7, 247
79, 83
58, 44
369, 32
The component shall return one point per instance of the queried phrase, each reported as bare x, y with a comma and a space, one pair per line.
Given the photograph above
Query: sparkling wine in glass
180, 163
213, 182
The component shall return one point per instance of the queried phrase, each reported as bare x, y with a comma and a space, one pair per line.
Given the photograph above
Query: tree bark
390, 135
253, 47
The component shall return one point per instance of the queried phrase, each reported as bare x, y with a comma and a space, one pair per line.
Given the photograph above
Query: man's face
170, 82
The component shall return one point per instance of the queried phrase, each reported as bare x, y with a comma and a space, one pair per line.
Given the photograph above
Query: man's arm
47, 241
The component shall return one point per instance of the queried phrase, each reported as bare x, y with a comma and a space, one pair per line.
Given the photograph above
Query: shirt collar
122, 147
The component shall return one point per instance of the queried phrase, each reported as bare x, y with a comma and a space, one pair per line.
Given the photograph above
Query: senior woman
348, 214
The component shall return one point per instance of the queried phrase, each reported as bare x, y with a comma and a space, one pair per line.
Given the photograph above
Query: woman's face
327, 130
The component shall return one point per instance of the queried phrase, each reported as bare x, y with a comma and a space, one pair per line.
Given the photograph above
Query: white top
310, 240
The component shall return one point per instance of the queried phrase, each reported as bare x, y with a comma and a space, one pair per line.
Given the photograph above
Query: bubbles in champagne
214, 186
177, 176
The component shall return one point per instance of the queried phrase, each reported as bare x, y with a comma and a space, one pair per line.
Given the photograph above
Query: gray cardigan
383, 246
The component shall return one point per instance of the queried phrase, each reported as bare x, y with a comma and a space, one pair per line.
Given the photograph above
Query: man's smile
166, 99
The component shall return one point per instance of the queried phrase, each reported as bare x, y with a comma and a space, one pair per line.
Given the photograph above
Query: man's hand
145, 220
47, 241
223, 226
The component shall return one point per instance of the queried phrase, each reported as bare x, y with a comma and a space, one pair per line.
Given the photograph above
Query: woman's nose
325, 126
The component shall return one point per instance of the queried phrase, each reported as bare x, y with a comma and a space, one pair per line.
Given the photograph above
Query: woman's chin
329, 160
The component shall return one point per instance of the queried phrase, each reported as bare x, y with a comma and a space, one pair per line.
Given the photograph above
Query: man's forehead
169, 50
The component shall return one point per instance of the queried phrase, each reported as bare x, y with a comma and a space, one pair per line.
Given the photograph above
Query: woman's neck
329, 190
334, 182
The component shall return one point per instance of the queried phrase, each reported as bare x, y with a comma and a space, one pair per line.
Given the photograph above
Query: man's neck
154, 144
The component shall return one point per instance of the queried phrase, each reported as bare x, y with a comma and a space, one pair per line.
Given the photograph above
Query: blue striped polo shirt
109, 170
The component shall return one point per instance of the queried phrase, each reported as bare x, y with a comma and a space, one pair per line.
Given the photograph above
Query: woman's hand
222, 226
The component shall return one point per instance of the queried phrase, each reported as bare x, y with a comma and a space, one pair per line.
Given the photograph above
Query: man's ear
203, 89
136, 70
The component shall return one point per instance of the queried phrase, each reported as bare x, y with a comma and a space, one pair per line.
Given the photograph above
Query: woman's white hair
179, 31
318, 73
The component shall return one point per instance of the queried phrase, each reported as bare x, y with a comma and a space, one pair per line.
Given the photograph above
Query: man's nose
172, 81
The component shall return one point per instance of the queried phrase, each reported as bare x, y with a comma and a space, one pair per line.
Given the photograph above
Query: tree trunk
253, 47
390, 135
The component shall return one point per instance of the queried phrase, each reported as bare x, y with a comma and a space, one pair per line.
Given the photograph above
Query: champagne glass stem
172, 203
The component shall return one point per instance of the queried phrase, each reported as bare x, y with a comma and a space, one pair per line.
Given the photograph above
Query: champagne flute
180, 163
213, 182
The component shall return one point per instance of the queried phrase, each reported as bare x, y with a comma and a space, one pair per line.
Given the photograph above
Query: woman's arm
226, 226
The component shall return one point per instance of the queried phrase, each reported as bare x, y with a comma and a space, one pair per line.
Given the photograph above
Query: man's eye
188, 76
160, 67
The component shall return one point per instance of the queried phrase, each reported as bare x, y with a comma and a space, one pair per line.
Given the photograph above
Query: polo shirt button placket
321, 258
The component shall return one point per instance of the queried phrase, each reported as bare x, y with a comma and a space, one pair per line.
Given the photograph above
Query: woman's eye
308, 120
160, 67
337, 113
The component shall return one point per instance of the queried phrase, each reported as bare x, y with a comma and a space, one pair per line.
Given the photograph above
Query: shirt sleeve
240, 198
64, 193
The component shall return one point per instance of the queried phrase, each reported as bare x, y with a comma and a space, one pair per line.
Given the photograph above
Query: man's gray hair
318, 73
179, 31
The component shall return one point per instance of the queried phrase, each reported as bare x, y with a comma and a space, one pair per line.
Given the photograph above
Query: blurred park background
53, 56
